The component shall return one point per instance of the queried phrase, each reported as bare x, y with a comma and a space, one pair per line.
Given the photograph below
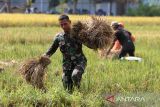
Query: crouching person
125, 41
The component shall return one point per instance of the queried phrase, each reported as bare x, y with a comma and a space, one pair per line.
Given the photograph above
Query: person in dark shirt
124, 38
74, 61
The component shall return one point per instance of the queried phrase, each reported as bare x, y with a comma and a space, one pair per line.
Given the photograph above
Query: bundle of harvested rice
95, 34
33, 71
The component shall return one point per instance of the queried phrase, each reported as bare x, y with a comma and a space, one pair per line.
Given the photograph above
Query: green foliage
145, 10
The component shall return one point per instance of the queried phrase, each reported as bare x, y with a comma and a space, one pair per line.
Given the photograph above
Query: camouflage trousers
72, 77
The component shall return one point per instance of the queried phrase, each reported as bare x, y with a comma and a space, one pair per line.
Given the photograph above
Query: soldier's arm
53, 47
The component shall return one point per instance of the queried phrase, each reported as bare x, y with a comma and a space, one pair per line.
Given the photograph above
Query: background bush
145, 10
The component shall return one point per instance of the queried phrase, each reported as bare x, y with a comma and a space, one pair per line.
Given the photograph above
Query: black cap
62, 17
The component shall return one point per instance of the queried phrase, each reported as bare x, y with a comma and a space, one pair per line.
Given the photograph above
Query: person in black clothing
125, 40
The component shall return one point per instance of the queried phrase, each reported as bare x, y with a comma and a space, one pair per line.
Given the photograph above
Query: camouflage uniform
74, 61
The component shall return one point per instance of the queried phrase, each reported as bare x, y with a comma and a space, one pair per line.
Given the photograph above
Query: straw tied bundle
33, 71
95, 34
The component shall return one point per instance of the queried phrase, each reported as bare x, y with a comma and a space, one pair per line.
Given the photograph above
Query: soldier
74, 61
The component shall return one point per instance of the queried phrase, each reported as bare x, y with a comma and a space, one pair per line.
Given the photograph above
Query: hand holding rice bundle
95, 34
33, 71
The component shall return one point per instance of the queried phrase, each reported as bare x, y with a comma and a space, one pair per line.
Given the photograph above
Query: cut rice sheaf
33, 71
95, 33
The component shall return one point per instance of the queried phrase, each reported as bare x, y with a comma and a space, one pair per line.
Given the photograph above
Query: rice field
27, 36
22, 20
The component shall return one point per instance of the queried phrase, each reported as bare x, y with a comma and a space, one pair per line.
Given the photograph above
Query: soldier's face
65, 25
